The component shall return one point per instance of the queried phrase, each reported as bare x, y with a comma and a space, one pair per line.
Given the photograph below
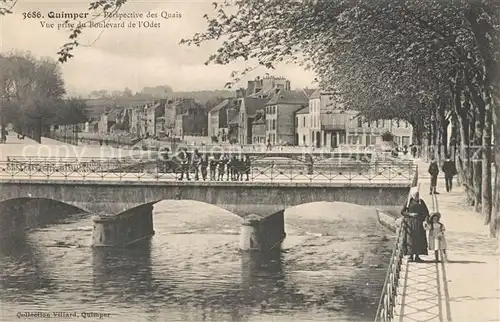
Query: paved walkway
467, 287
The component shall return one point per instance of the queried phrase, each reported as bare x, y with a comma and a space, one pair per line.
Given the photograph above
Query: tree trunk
464, 164
434, 132
453, 136
486, 201
495, 215
428, 150
441, 130
477, 160
479, 125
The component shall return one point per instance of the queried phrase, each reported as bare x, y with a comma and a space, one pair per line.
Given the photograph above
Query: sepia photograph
250, 160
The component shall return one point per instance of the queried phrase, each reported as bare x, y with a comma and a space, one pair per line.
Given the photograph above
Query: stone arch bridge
124, 208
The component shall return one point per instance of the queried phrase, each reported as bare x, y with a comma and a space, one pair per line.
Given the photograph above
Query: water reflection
127, 272
191, 270
22, 267
261, 274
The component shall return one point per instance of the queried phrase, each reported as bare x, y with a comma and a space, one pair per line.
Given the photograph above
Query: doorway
333, 139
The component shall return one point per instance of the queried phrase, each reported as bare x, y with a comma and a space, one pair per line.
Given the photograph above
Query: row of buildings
268, 111
154, 118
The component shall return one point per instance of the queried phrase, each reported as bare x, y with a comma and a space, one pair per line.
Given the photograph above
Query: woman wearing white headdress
415, 213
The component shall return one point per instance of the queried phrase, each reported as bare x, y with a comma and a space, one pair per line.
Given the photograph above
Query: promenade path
467, 287
58, 149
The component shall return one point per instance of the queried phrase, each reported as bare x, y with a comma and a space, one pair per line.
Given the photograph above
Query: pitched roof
289, 97
221, 105
316, 94
227, 103
253, 104
309, 91
304, 110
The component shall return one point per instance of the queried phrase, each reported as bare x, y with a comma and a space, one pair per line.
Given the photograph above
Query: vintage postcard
249, 160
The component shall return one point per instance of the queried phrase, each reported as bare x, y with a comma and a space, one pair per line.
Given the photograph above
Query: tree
30, 88
71, 111
429, 62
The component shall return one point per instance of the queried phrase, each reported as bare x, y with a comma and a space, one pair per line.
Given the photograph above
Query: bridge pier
123, 229
262, 233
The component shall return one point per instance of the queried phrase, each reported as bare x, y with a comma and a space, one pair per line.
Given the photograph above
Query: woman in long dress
415, 213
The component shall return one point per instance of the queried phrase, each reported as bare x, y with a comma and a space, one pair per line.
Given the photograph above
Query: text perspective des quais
71, 20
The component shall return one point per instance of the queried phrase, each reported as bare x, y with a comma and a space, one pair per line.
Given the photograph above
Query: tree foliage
430, 62
31, 90
424, 61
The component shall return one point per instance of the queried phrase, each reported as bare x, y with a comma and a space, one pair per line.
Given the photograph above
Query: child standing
436, 238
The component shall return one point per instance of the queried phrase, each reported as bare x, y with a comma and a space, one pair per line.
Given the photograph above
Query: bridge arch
24, 212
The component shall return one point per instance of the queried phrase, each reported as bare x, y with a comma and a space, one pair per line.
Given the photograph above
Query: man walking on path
449, 170
414, 151
433, 171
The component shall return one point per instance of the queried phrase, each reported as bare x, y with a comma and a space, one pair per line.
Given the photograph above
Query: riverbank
51, 148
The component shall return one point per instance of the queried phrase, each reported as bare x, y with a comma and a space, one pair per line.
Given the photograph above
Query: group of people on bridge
212, 168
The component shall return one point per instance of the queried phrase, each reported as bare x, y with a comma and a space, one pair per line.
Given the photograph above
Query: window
304, 121
296, 121
406, 124
377, 123
397, 122
368, 123
274, 124
274, 109
304, 140
360, 122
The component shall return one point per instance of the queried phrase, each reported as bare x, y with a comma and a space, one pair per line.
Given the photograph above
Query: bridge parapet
274, 170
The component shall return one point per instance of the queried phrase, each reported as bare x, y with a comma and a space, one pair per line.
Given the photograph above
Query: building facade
303, 127
185, 116
259, 127
247, 112
219, 118
333, 126
280, 116
361, 132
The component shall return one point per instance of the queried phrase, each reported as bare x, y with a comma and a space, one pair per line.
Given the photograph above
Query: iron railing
260, 171
387, 303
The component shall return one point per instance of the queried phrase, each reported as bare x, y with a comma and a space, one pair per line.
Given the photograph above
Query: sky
113, 59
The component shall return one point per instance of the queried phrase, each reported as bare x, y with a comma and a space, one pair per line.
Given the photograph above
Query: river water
330, 268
